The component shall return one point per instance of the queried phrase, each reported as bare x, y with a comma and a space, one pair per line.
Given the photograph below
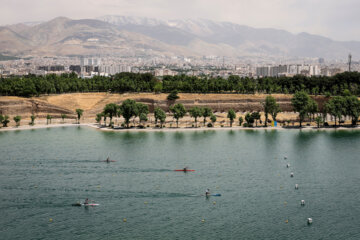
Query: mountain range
136, 36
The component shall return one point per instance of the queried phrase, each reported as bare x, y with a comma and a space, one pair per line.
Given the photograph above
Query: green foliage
159, 115
5, 120
32, 85
98, 118
79, 113
173, 95
111, 110
300, 103
352, 105
141, 109
158, 87
256, 116
318, 121
143, 117
178, 111
1, 118
195, 112
128, 110
48, 119
231, 115
213, 118
271, 107
17, 120
33, 117
312, 108
249, 120
241, 120
209, 125
206, 112
336, 107
63, 116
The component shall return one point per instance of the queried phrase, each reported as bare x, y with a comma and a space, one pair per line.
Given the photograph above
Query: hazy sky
337, 19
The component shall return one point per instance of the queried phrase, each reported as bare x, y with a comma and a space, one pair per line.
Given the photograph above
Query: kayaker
207, 192
86, 201
185, 169
108, 159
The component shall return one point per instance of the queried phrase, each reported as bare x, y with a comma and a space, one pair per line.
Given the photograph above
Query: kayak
213, 195
182, 170
83, 204
108, 161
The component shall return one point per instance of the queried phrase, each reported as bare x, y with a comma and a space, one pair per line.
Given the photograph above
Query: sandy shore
149, 129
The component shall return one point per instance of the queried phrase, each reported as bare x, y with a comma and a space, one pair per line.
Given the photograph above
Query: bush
147, 125
123, 125
326, 124
209, 125
222, 125
173, 95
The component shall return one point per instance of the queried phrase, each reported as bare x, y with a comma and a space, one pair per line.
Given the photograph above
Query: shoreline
182, 129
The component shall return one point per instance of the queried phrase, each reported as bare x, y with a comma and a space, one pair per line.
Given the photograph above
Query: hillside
131, 36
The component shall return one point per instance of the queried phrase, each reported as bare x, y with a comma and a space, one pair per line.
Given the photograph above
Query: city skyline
333, 19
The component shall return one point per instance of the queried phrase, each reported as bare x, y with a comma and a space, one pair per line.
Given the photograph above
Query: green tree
178, 111
336, 107
98, 118
249, 120
213, 119
158, 87
143, 117
256, 116
128, 110
312, 108
111, 110
159, 115
48, 119
270, 107
173, 96
231, 115
5, 121
17, 120
195, 112
352, 105
141, 109
63, 116
32, 117
1, 118
241, 120
318, 121
79, 113
206, 112
300, 103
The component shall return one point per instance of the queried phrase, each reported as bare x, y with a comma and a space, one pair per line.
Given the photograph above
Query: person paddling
86, 201
207, 192
185, 169
108, 160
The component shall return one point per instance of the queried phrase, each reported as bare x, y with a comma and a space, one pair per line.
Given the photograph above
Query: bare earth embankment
93, 103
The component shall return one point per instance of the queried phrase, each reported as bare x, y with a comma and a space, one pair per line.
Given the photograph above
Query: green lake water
44, 171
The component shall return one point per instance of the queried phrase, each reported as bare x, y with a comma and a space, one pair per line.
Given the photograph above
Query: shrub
209, 125
173, 96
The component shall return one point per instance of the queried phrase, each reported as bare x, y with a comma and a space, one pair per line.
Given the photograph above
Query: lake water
44, 171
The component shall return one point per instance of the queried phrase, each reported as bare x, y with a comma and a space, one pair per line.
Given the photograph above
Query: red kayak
182, 170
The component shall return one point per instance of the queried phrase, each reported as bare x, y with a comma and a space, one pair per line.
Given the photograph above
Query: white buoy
292, 174
302, 202
309, 220
296, 186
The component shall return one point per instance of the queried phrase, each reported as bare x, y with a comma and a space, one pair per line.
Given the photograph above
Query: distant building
75, 68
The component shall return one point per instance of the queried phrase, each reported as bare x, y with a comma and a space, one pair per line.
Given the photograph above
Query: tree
160, 115
178, 111
98, 118
48, 119
352, 106
300, 103
5, 121
271, 107
173, 96
17, 120
195, 112
318, 121
206, 112
256, 116
79, 113
213, 119
231, 115
249, 120
143, 117
1, 118
111, 110
128, 110
142, 109
63, 116
241, 120
158, 87
105, 117
33, 117
312, 108
336, 107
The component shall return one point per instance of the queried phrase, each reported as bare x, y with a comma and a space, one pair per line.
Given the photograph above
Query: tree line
32, 85
338, 107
